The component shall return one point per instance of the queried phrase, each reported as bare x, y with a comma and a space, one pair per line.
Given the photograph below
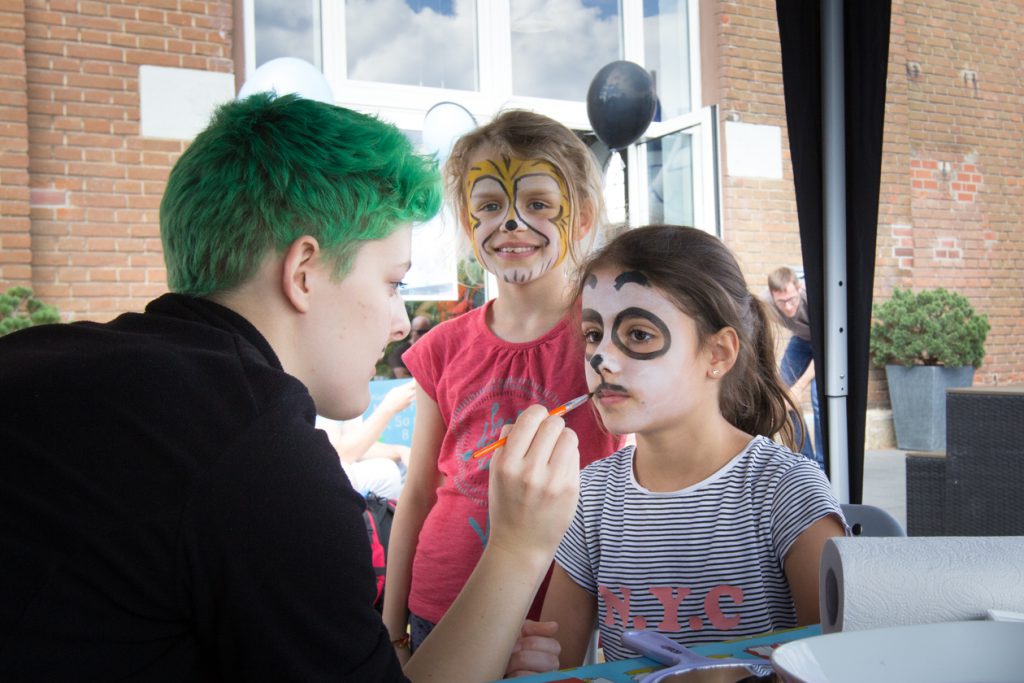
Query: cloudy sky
284, 28
558, 46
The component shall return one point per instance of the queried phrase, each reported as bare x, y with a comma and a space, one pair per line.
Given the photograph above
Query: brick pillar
15, 226
96, 181
759, 214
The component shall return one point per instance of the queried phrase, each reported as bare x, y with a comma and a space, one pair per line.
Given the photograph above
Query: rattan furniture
977, 487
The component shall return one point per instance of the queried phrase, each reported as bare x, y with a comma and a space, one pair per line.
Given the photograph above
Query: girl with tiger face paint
519, 215
528, 194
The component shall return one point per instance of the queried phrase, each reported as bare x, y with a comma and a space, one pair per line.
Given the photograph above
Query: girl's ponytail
776, 401
752, 397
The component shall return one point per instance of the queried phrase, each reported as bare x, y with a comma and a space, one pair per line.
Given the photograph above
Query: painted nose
602, 363
511, 225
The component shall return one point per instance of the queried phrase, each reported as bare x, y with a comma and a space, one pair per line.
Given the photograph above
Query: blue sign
399, 429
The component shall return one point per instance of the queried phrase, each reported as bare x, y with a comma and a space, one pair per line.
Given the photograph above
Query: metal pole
836, 379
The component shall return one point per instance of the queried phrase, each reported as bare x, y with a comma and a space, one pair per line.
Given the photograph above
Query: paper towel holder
832, 598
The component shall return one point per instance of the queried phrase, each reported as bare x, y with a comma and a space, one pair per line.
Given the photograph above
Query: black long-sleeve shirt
169, 512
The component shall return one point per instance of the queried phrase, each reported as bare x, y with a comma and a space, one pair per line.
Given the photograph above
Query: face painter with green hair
183, 519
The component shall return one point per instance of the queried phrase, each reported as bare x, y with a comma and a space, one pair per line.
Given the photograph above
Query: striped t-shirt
700, 565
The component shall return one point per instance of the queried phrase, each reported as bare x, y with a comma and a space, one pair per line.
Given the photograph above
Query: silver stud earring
715, 372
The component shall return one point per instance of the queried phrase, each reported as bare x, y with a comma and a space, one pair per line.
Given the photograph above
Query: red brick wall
759, 220
953, 185
15, 227
95, 184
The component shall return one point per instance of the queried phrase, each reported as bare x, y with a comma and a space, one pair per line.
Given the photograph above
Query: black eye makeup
593, 327
636, 332
623, 336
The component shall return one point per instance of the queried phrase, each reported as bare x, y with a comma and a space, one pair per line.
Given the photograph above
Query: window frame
702, 125
405, 105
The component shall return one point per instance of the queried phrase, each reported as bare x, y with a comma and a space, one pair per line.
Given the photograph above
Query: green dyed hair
270, 169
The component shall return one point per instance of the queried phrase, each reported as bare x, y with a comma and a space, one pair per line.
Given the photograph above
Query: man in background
789, 300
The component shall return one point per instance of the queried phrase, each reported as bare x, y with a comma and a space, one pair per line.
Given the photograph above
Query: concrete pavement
885, 482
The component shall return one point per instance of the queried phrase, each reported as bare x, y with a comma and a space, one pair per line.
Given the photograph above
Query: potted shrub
928, 342
19, 308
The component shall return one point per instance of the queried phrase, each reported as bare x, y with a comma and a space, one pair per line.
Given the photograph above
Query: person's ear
586, 220
296, 271
723, 348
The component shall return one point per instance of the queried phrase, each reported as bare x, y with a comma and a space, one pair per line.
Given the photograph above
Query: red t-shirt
480, 383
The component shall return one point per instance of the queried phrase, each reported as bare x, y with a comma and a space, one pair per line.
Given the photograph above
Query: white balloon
286, 75
443, 124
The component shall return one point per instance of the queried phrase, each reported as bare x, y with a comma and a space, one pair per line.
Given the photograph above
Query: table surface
754, 648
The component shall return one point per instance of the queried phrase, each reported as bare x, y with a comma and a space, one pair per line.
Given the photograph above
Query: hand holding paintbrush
560, 410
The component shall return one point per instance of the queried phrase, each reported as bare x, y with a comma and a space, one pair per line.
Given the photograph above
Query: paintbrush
560, 410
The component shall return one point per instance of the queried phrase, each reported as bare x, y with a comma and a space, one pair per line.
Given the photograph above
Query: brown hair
700, 274
780, 278
528, 135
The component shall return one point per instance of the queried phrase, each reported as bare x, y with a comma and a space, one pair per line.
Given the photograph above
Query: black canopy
862, 29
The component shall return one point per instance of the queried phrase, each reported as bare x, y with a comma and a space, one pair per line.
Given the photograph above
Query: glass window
558, 45
666, 54
412, 42
670, 179
434, 276
286, 28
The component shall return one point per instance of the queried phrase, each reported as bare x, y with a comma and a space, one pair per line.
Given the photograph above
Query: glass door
676, 179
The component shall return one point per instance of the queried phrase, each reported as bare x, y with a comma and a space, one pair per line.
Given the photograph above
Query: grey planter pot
918, 397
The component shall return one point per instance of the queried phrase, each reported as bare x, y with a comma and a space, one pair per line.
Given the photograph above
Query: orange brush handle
560, 410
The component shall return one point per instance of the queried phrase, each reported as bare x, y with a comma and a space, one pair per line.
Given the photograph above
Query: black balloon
620, 103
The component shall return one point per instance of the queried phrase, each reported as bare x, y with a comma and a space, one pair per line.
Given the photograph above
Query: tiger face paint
519, 216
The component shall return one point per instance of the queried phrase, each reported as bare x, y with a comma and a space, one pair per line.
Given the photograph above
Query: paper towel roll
876, 582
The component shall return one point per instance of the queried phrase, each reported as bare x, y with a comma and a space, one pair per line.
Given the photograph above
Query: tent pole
836, 376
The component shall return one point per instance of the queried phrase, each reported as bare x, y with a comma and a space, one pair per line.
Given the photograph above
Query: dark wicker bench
977, 487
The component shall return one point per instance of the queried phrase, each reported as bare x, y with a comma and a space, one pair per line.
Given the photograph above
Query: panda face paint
642, 353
